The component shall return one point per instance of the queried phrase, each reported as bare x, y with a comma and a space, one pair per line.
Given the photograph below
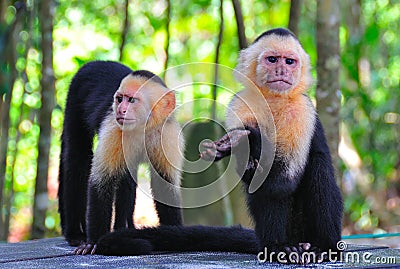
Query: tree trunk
216, 61
240, 24
5, 98
3, 7
46, 8
125, 29
167, 37
226, 203
5, 123
8, 58
328, 64
295, 12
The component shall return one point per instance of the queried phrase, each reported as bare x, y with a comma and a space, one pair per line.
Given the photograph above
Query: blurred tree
167, 34
370, 56
8, 55
240, 24
40, 204
294, 17
328, 65
125, 30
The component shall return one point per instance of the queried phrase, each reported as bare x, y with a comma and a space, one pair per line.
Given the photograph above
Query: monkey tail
126, 246
178, 239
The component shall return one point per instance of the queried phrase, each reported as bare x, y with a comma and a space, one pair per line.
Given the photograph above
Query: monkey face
278, 70
276, 64
140, 103
130, 106
130, 110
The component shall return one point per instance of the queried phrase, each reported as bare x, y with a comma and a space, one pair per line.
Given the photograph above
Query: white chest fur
289, 122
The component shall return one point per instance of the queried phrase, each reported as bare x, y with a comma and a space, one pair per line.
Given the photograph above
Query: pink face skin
280, 70
123, 102
130, 108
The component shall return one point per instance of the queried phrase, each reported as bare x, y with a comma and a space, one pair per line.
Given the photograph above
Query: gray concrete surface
55, 253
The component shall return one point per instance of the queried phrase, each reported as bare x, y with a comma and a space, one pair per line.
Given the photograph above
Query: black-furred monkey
297, 206
132, 112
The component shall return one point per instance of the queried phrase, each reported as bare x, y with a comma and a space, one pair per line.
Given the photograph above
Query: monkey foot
85, 248
75, 240
303, 253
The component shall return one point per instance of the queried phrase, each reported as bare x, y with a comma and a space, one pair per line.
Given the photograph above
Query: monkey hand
223, 147
85, 248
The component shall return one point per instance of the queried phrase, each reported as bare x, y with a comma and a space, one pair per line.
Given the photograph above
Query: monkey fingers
320, 256
300, 254
227, 142
208, 155
254, 164
85, 248
223, 140
215, 151
305, 246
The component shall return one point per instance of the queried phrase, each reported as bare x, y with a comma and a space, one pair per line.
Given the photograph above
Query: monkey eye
272, 59
132, 100
119, 99
289, 61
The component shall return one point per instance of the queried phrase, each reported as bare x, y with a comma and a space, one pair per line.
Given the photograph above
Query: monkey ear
169, 100
243, 62
245, 70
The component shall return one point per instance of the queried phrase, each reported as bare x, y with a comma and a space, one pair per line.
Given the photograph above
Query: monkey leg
76, 154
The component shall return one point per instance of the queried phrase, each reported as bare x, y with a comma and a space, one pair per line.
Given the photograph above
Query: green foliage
371, 107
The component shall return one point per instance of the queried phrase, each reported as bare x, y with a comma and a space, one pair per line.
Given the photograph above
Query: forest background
355, 54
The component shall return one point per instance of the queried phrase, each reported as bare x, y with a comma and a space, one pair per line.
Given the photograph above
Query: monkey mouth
122, 121
279, 80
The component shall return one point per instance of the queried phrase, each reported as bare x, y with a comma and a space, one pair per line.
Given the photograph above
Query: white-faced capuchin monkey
132, 113
297, 208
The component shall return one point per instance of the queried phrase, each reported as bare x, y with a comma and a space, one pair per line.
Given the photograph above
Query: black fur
178, 238
149, 75
286, 212
276, 31
305, 209
168, 215
89, 101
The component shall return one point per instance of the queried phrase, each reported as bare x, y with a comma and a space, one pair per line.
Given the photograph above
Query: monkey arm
167, 198
249, 146
254, 156
216, 150
125, 200
325, 206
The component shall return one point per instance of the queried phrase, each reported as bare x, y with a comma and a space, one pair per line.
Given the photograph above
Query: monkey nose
280, 72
